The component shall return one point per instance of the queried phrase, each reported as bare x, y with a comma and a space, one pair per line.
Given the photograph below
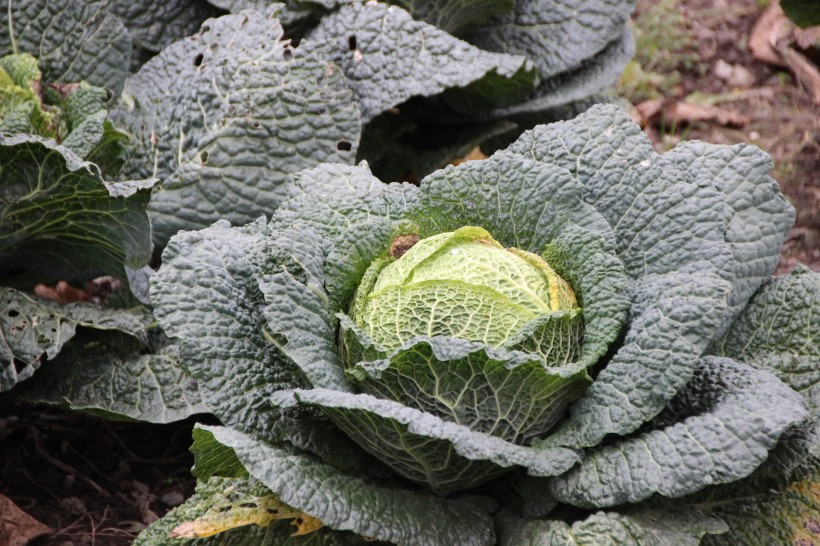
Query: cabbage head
576, 340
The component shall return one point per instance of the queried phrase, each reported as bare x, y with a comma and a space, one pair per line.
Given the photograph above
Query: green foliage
668, 258
582, 321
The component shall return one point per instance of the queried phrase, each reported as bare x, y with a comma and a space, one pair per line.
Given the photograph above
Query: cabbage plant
573, 341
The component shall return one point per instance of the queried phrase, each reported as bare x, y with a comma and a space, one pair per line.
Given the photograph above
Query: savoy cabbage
575, 340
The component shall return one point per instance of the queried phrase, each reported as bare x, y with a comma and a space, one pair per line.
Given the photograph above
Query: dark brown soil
94, 482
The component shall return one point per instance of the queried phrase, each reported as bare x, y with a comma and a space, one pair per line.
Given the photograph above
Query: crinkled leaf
235, 6
666, 218
154, 25
778, 331
743, 413
100, 375
315, 198
358, 220
206, 294
522, 203
780, 502
87, 135
674, 318
33, 330
760, 214
73, 41
638, 527
296, 310
61, 220
224, 117
528, 205
21, 106
443, 455
557, 35
595, 75
309, 430
85, 114
350, 503
587, 259
507, 395
389, 58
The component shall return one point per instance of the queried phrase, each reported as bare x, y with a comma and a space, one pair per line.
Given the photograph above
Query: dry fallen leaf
95, 291
16, 527
671, 112
771, 39
475, 155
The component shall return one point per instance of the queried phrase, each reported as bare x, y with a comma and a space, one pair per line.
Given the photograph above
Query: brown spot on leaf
402, 244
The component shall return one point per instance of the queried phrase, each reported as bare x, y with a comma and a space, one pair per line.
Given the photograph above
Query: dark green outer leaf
557, 35
307, 429
595, 75
101, 376
665, 218
638, 527
587, 259
206, 295
73, 41
296, 310
760, 215
658, 229
522, 203
671, 317
424, 448
33, 330
224, 117
744, 412
389, 58
60, 220
154, 25
778, 332
214, 459
358, 221
780, 502
348, 503
315, 198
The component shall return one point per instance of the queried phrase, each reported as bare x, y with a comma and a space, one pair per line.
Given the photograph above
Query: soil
782, 117
93, 482
98, 483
